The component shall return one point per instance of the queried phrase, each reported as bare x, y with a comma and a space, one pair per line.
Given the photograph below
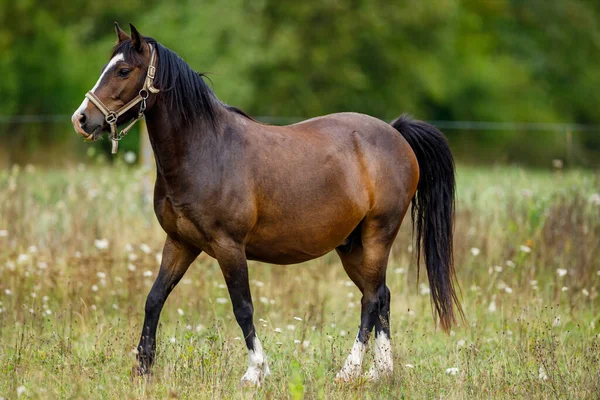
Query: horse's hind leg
367, 266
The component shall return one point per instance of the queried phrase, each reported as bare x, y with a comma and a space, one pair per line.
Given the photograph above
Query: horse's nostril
82, 119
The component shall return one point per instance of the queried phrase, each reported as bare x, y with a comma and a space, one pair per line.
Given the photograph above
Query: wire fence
526, 143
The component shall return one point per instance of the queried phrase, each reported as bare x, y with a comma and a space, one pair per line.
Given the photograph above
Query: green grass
71, 312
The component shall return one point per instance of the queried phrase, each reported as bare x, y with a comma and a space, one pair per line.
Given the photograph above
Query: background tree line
501, 60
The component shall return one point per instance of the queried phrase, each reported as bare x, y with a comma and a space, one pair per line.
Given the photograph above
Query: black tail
432, 213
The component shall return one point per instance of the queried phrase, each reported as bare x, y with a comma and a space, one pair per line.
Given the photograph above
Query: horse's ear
121, 35
136, 39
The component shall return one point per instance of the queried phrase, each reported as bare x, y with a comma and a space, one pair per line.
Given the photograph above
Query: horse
238, 189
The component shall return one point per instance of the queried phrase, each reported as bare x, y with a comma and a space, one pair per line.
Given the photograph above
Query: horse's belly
292, 243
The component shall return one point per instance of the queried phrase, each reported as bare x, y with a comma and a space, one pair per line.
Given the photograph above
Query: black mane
184, 90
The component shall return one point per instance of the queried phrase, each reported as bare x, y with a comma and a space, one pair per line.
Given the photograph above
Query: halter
111, 117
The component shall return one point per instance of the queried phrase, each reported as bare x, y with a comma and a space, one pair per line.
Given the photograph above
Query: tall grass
79, 250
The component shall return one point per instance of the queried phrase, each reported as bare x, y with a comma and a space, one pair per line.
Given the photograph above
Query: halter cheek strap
111, 117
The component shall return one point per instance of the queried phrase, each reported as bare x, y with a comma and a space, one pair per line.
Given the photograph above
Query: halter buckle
151, 71
111, 118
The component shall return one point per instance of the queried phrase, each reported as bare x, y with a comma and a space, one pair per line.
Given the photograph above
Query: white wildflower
399, 271
424, 289
221, 300
508, 290
180, 311
3, 233
101, 244
101, 275
542, 374
306, 344
497, 268
557, 163
290, 327
452, 371
461, 343
173, 340
131, 267
564, 289
263, 300
585, 292
556, 321
298, 318
296, 341
145, 248
23, 258
94, 288
147, 273
199, 327
492, 306
595, 199
525, 249
561, 272
510, 263
409, 366
130, 157
21, 390
8, 292
278, 330
32, 249
475, 251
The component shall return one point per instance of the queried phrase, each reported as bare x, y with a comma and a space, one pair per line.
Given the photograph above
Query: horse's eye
124, 72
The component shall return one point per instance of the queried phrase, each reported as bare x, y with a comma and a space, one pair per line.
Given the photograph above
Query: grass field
79, 250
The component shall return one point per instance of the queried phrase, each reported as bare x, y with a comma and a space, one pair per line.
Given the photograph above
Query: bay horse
239, 189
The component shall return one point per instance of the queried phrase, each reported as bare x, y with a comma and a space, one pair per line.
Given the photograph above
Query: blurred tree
502, 60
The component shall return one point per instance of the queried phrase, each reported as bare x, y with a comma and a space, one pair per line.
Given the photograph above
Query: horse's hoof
138, 371
254, 377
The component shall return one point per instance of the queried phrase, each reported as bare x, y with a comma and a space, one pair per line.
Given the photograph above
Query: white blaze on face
84, 104
257, 365
353, 365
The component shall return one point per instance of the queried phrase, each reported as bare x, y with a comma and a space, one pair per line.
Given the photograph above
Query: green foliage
504, 60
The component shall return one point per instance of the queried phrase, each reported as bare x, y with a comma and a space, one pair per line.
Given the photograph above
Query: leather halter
111, 117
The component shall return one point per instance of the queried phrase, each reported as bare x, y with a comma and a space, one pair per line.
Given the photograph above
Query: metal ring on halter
111, 117
144, 93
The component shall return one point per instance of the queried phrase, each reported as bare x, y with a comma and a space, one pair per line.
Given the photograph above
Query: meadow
80, 247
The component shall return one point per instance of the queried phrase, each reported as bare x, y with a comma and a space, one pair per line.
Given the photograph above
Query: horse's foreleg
176, 259
232, 260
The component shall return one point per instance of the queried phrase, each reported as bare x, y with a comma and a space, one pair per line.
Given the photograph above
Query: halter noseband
111, 117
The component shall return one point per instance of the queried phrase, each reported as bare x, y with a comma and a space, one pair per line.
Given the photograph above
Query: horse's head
121, 91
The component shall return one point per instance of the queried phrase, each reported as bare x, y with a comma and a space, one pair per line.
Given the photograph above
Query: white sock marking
383, 363
353, 365
257, 365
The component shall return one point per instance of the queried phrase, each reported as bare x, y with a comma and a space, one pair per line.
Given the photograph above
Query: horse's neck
177, 147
